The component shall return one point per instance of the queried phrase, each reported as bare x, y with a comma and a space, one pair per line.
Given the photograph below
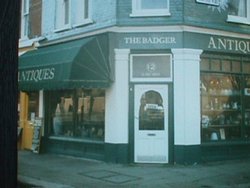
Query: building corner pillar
186, 63
116, 115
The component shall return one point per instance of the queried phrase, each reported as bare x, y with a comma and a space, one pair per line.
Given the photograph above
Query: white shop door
151, 124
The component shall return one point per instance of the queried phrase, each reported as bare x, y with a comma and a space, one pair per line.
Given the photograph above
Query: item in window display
100, 133
214, 136
205, 121
222, 119
211, 105
32, 116
234, 105
84, 132
92, 132
247, 91
203, 87
222, 134
57, 125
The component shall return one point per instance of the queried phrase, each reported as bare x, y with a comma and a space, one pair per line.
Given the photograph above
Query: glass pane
86, 9
154, 4
246, 67
151, 114
205, 64
215, 65
79, 113
33, 105
238, 8
226, 66
236, 67
66, 11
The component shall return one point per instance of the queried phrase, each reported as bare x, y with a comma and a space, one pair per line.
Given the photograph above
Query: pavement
58, 171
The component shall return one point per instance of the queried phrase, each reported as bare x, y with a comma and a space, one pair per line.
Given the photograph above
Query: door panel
151, 123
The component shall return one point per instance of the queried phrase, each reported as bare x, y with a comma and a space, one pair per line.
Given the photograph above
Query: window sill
85, 22
226, 143
237, 19
62, 29
149, 14
71, 139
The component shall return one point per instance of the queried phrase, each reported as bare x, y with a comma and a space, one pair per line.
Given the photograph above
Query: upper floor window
62, 14
31, 19
71, 14
150, 8
239, 11
25, 19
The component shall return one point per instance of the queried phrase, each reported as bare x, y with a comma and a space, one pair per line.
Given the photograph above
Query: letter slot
151, 134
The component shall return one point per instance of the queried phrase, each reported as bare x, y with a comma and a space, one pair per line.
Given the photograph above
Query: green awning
77, 64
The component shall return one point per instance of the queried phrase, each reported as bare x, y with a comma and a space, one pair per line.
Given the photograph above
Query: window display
247, 107
225, 98
221, 107
79, 113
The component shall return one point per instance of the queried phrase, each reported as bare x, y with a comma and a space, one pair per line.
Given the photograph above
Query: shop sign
150, 40
151, 67
217, 43
236, 45
37, 75
209, 2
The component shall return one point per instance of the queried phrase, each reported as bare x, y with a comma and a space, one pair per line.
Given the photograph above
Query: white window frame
239, 19
80, 18
60, 16
151, 79
25, 19
137, 11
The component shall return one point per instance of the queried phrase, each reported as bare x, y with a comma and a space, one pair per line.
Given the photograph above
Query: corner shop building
155, 97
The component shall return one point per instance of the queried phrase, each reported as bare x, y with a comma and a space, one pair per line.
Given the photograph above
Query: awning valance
76, 64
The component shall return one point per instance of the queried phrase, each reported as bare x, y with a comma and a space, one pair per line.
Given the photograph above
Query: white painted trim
148, 29
41, 108
117, 100
29, 42
41, 105
238, 19
186, 96
85, 22
146, 14
138, 11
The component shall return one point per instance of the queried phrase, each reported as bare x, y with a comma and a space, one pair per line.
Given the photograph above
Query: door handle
151, 134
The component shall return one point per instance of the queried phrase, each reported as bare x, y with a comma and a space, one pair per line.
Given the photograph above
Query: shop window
247, 107
33, 105
239, 11
225, 109
78, 113
150, 8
